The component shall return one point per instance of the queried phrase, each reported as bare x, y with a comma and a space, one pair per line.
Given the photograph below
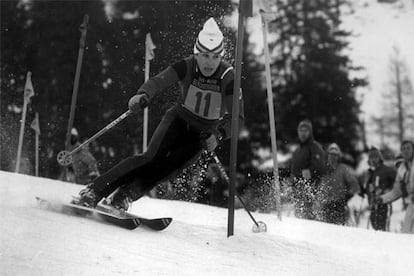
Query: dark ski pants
334, 212
303, 198
174, 146
378, 217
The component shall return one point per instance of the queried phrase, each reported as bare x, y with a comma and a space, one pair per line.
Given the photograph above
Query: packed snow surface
34, 241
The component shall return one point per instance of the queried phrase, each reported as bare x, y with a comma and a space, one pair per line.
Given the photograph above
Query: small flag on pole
35, 125
264, 8
28, 93
263, 5
149, 47
28, 88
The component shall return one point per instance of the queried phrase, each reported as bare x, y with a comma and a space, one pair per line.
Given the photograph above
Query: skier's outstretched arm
151, 87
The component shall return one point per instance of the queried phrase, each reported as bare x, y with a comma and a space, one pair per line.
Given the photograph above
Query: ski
107, 214
155, 224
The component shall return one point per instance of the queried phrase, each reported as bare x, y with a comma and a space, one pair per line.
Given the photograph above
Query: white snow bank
38, 242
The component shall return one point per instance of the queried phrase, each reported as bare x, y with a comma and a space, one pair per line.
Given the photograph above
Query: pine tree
312, 72
13, 71
397, 101
43, 36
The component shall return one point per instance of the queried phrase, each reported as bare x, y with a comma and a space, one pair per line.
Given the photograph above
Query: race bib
203, 103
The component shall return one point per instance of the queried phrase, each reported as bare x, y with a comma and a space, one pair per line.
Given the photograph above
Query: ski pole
260, 226
64, 157
388, 221
358, 216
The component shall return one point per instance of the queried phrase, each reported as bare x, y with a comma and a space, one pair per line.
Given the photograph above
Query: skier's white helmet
210, 39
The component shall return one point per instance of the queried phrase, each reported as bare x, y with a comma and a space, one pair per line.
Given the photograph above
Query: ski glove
378, 200
210, 143
138, 102
93, 175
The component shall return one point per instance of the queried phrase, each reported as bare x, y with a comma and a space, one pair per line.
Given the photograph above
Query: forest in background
310, 74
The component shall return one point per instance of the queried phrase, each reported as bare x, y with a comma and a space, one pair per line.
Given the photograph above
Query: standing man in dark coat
307, 167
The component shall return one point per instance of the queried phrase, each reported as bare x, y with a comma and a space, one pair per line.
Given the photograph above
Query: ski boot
87, 197
121, 201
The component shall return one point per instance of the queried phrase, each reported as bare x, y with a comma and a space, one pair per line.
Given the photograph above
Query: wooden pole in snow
245, 9
19, 148
272, 121
37, 133
28, 93
83, 29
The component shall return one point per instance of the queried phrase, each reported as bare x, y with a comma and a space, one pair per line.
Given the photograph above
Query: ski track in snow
35, 241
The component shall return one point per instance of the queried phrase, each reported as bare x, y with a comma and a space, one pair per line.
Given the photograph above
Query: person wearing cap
403, 186
84, 165
198, 122
399, 160
338, 185
380, 182
308, 164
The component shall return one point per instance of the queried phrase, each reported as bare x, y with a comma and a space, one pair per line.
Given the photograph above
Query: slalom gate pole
245, 10
83, 28
28, 93
20, 145
226, 177
63, 155
37, 147
272, 121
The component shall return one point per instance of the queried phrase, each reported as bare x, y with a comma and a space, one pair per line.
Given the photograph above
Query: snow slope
39, 242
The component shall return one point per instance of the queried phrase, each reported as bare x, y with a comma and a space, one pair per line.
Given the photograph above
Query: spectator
84, 165
408, 224
338, 185
308, 165
402, 186
399, 160
380, 180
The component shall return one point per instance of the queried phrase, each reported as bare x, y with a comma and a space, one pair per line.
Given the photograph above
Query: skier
199, 121
403, 187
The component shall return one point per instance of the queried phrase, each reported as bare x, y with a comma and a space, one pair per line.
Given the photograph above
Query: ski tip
165, 222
